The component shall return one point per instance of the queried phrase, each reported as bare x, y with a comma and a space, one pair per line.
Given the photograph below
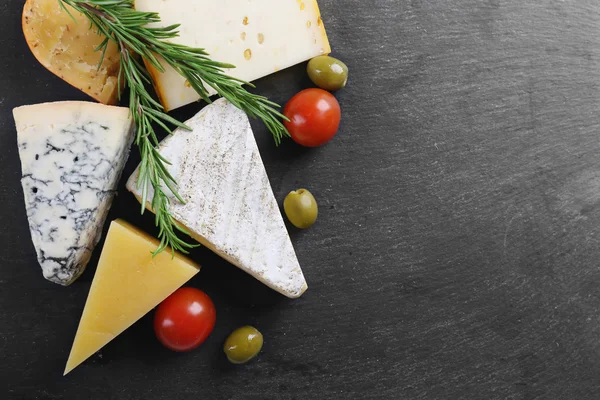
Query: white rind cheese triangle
230, 207
72, 155
258, 37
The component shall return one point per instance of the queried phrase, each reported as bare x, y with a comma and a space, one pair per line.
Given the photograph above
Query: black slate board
456, 255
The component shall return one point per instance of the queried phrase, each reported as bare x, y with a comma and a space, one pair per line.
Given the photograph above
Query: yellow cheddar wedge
66, 48
127, 285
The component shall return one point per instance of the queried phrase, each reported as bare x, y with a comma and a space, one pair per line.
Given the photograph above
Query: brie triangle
229, 204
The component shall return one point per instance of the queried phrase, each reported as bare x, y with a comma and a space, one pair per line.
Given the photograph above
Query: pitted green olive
243, 344
328, 73
301, 208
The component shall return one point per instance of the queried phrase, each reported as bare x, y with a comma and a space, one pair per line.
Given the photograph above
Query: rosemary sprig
119, 22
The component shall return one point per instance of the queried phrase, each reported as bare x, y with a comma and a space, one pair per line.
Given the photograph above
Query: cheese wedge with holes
72, 156
66, 48
259, 37
128, 284
229, 204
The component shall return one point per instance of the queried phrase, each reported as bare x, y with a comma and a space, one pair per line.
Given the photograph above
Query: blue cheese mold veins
72, 156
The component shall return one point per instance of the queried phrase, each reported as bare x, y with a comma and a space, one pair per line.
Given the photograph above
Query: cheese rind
229, 204
72, 156
66, 48
128, 284
259, 37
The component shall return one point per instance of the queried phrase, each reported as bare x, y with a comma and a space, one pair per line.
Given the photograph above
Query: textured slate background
456, 255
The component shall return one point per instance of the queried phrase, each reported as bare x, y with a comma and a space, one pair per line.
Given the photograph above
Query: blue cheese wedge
72, 156
229, 204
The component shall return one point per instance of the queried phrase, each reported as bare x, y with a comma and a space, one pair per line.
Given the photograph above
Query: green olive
301, 208
328, 73
243, 344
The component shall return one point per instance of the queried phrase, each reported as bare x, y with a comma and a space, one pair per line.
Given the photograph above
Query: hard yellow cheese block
67, 48
259, 37
127, 285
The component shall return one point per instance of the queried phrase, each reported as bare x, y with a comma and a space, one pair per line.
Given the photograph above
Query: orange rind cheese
67, 49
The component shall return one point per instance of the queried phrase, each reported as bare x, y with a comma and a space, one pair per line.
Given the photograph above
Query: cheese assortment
72, 155
229, 204
128, 284
259, 37
66, 47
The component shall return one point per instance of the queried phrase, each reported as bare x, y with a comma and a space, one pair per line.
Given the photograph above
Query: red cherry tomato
185, 319
314, 117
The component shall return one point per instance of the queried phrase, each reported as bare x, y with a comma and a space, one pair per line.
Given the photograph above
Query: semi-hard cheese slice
230, 207
259, 37
128, 283
67, 48
72, 155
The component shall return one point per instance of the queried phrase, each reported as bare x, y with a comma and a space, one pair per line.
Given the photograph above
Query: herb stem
139, 43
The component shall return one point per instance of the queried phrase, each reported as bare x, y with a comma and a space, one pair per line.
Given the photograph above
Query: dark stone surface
456, 255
